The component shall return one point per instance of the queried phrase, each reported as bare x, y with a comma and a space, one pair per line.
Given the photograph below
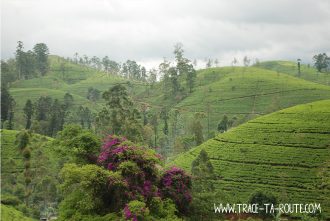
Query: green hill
286, 152
244, 93
288, 67
9, 213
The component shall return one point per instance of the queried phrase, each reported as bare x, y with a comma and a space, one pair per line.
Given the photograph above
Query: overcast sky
146, 30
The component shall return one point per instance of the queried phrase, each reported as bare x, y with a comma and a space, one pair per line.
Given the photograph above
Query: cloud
146, 30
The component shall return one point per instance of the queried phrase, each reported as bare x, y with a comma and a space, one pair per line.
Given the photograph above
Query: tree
197, 128
174, 78
223, 125
152, 77
234, 62
165, 75
63, 70
19, 58
28, 112
203, 188
68, 101
57, 115
8, 72
191, 77
321, 61
80, 146
154, 123
7, 108
181, 61
298, 64
42, 108
120, 114
93, 94
209, 63
29, 68
22, 140
246, 61
262, 198
164, 116
106, 63
85, 116
216, 62
41, 52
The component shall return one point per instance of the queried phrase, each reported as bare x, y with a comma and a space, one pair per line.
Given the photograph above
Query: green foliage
202, 167
120, 114
28, 112
41, 53
136, 210
321, 61
77, 144
10, 200
262, 198
7, 108
163, 209
22, 139
223, 125
281, 149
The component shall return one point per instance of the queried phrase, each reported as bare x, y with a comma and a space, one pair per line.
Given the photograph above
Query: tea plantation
286, 153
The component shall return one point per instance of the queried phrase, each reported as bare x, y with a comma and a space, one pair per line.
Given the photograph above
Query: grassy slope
289, 67
242, 92
236, 91
287, 153
9, 213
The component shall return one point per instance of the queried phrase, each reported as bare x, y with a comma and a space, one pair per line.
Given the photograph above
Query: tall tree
164, 116
57, 116
41, 52
120, 114
173, 74
197, 128
28, 112
68, 101
8, 72
7, 108
191, 77
154, 123
19, 58
164, 74
106, 63
42, 108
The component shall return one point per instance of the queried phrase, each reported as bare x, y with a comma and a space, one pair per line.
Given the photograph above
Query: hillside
240, 93
288, 67
64, 77
11, 214
243, 93
286, 152
44, 167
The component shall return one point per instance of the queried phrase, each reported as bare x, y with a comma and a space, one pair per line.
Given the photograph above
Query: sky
147, 30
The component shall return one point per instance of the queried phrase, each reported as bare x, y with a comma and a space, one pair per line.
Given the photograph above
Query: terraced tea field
286, 152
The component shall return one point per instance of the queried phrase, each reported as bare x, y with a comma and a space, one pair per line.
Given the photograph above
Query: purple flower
127, 212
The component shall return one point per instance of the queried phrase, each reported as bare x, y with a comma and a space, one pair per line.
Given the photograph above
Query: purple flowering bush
176, 185
136, 184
